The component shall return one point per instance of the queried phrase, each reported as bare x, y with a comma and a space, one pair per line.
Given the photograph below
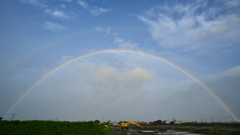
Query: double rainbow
208, 90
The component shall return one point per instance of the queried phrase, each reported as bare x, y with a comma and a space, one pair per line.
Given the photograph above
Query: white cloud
34, 2
221, 26
191, 26
113, 78
127, 45
235, 71
63, 6
226, 52
83, 4
107, 30
54, 26
233, 3
118, 40
98, 28
94, 10
57, 14
64, 59
68, 0
67, 14
114, 33
124, 45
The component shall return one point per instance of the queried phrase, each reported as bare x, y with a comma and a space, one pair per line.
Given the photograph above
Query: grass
52, 128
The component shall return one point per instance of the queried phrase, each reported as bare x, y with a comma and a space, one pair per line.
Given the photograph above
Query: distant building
166, 122
178, 122
158, 122
115, 124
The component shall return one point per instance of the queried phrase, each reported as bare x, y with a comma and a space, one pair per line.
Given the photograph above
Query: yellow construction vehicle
126, 125
102, 124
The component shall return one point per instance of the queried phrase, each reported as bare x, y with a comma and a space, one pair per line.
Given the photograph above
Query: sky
169, 60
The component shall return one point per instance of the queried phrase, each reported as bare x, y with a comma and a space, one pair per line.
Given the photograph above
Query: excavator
126, 125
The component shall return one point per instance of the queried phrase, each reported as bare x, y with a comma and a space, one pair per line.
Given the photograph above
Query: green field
52, 128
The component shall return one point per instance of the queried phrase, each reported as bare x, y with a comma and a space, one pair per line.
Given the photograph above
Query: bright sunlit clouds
201, 37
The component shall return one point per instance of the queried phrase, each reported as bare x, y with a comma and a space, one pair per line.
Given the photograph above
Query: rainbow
208, 90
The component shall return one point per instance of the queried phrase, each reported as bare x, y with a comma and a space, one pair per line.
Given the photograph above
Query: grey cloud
197, 103
87, 90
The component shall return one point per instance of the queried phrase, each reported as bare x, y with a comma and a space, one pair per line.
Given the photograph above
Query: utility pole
212, 119
233, 119
201, 120
13, 116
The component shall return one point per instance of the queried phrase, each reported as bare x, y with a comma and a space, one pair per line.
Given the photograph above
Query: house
178, 122
115, 124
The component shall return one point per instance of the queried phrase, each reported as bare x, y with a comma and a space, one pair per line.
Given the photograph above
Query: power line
13, 116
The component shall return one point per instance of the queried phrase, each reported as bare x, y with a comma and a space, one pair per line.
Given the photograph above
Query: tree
109, 122
97, 121
1, 118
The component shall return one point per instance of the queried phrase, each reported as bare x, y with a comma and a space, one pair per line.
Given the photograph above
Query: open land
184, 129
92, 128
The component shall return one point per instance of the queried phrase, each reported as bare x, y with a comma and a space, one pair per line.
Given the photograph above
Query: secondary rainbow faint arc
70, 36
125, 51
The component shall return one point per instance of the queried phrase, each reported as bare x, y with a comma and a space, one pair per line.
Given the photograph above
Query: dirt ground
174, 129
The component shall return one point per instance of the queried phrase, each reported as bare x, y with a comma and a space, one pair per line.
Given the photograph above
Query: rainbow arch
208, 90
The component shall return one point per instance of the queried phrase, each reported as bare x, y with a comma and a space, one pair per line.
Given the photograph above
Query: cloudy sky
201, 37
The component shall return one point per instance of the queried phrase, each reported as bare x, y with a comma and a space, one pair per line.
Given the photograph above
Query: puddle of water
151, 132
148, 131
178, 133
169, 132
